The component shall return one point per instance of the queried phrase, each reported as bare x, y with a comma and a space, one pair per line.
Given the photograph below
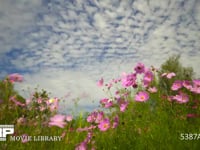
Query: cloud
16, 17
99, 21
196, 12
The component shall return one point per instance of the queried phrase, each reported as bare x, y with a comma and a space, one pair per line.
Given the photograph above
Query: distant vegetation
172, 64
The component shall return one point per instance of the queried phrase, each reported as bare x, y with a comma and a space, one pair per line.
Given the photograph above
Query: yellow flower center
51, 100
105, 125
142, 97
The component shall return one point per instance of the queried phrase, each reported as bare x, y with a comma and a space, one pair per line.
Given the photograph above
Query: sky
66, 46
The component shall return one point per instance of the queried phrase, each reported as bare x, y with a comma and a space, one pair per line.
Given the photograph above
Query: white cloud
100, 21
16, 17
197, 12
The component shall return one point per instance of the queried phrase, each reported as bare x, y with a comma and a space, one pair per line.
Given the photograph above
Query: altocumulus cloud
65, 46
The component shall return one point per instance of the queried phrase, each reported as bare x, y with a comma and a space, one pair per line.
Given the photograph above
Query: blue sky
65, 46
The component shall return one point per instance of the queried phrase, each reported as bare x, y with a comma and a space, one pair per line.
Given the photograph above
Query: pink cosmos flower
90, 118
69, 118
152, 89
115, 122
58, 120
100, 82
28, 101
128, 80
24, 138
192, 115
39, 100
106, 102
15, 77
18, 103
42, 108
104, 124
123, 105
196, 82
181, 98
53, 104
142, 96
164, 74
146, 83
139, 68
195, 89
176, 85
95, 117
21, 121
148, 76
187, 84
81, 146
168, 75
99, 117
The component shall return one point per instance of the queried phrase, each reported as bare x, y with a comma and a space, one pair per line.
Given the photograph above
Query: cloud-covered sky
65, 46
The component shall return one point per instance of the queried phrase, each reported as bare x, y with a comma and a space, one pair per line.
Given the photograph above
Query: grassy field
149, 109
